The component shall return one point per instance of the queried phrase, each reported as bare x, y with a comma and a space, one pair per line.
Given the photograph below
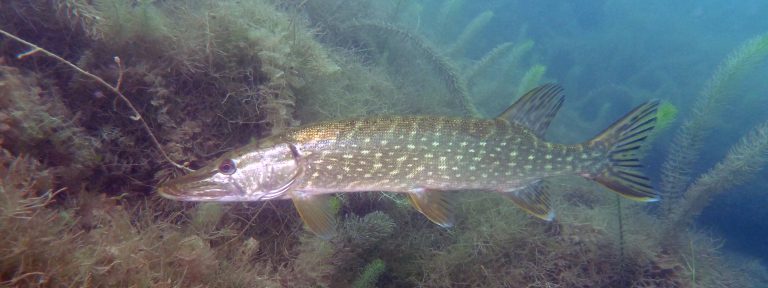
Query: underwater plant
448, 73
370, 274
688, 143
687, 197
34, 121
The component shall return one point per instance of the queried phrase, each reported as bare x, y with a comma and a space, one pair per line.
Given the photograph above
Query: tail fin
624, 140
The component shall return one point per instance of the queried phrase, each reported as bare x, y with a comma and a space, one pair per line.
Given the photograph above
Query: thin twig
119, 73
114, 89
25, 275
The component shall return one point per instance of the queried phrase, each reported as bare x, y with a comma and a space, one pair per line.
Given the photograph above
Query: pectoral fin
317, 213
534, 199
433, 204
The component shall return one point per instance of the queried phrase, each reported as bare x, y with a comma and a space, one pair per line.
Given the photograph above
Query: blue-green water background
661, 49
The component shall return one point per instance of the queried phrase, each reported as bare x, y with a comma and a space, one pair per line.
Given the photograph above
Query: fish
425, 156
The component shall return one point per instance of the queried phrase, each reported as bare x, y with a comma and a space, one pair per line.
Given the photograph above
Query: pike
424, 156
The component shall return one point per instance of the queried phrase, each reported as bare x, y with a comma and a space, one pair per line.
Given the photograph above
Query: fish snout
170, 191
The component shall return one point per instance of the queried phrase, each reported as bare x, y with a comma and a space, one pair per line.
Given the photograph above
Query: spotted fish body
405, 154
424, 156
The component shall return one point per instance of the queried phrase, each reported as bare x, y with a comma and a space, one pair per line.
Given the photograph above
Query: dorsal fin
536, 109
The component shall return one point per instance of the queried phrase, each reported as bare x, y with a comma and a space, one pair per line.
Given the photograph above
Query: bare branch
114, 89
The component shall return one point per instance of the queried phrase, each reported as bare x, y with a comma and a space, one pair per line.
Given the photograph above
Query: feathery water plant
447, 72
512, 68
685, 199
740, 165
487, 61
318, 259
448, 11
519, 52
470, 32
686, 147
531, 79
35, 121
370, 275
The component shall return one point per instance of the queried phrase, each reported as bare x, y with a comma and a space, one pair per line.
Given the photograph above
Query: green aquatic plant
28, 228
691, 263
81, 14
98, 241
457, 83
329, 263
34, 120
498, 246
356, 91
740, 165
686, 198
666, 115
196, 73
686, 147
445, 69
446, 15
470, 32
206, 216
404, 49
370, 274
531, 78
509, 77
123, 21
488, 60
521, 51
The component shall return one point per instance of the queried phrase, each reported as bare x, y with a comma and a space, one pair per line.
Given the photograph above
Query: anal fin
317, 213
534, 199
434, 204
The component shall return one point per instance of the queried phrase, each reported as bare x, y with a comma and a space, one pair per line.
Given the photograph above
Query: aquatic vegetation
741, 164
531, 78
687, 198
459, 83
370, 275
34, 120
92, 240
470, 32
448, 73
25, 189
688, 142
666, 116
447, 13
488, 60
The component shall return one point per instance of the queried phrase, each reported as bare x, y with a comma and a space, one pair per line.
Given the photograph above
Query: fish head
251, 173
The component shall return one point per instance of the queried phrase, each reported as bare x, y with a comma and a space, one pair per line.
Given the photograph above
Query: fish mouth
215, 193
200, 186
173, 192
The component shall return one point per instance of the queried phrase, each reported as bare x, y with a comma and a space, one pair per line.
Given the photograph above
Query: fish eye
227, 167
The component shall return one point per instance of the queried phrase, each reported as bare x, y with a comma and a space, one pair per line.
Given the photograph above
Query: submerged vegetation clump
35, 121
78, 171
